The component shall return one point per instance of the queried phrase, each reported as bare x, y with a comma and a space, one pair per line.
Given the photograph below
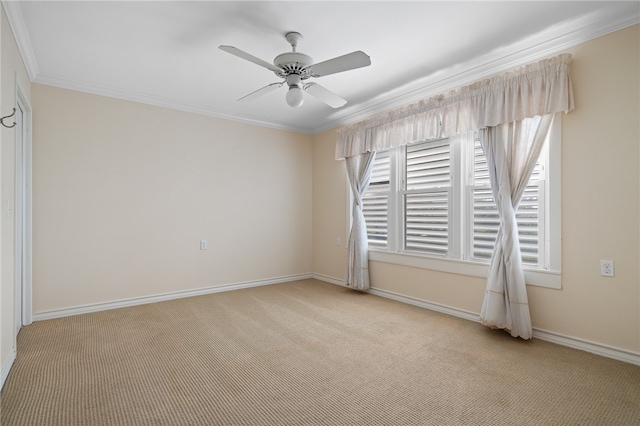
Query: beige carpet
303, 353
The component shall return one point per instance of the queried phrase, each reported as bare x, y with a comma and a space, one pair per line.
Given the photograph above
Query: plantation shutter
376, 201
485, 214
426, 197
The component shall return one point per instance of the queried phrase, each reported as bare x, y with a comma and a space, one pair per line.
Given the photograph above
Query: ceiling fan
295, 67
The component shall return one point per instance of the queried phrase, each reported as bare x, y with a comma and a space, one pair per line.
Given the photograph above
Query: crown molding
16, 22
143, 98
544, 44
19, 29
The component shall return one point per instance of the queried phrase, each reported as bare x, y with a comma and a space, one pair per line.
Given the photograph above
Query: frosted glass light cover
295, 97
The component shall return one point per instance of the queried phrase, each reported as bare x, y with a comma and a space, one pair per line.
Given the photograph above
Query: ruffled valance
537, 89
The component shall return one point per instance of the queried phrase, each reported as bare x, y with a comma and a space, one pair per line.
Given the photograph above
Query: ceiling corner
19, 29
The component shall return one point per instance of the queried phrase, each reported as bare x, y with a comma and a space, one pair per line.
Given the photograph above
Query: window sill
539, 278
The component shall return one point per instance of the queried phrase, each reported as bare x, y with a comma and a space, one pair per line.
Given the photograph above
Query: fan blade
325, 95
244, 55
342, 63
261, 92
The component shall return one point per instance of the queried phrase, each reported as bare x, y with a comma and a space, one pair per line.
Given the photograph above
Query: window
429, 204
485, 213
426, 197
375, 201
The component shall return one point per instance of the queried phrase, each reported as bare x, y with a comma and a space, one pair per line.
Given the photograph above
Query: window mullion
399, 175
466, 194
395, 215
456, 231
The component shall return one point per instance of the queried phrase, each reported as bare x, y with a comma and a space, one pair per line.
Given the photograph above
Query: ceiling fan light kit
294, 97
295, 67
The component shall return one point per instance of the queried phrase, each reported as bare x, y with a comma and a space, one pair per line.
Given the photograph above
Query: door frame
23, 237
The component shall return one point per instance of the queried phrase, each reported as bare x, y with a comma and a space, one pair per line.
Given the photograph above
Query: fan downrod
293, 38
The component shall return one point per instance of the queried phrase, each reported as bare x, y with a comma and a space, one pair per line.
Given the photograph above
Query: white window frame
548, 274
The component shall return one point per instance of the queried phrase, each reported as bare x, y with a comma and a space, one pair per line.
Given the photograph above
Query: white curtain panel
538, 89
512, 151
359, 169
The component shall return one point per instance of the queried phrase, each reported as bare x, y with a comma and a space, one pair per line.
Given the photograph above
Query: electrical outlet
606, 268
203, 244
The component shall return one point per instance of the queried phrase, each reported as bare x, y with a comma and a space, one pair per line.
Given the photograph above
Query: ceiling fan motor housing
293, 63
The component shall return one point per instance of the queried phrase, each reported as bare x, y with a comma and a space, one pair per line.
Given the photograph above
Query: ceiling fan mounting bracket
293, 38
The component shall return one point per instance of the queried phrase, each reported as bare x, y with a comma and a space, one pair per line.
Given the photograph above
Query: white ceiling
166, 52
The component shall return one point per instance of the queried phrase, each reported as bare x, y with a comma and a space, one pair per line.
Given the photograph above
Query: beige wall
329, 211
11, 68
124, 192
600, 210
600, 198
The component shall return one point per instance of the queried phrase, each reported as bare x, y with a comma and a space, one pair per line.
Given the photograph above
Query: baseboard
449, 310
549, 336
85, 309
328, 279
587, 346
6, 367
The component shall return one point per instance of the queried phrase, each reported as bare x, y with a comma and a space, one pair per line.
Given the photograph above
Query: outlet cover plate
606, 268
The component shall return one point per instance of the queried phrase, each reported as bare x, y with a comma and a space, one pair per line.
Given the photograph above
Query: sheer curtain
512, 151
359, 173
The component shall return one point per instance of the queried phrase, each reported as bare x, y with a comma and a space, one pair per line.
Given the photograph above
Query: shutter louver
485, 214
426, 199
375, 201
375, 215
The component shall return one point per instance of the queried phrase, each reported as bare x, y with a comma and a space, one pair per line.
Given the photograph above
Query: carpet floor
303, 353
